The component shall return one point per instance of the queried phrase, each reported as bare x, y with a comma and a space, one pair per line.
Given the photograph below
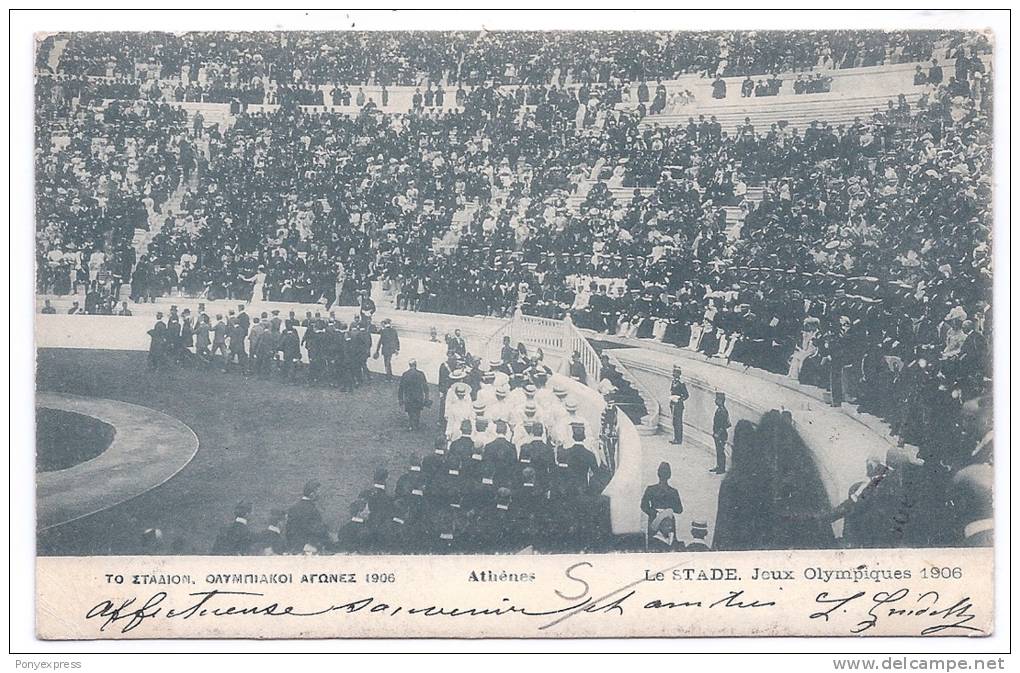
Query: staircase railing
558, 339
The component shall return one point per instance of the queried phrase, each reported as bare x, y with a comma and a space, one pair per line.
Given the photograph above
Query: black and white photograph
511, 294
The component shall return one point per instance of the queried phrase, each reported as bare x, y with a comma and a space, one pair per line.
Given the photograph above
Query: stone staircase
143, 237
797, 111
648, 424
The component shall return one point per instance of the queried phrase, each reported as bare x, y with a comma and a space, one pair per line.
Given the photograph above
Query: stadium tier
812, 214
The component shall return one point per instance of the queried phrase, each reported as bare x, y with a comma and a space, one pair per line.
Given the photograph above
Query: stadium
512, 292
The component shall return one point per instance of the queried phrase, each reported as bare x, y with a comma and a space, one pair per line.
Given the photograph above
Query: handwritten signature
901, 603
129, 614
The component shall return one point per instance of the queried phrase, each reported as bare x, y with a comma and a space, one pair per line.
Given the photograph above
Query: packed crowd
473, 57
864, 267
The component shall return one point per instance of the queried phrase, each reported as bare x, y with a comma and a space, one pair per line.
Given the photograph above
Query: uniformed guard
678, 396
720, 432
660, 496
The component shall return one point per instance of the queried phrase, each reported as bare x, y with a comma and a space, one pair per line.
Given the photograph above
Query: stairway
797, 111
644, 415
59, 44
143, 237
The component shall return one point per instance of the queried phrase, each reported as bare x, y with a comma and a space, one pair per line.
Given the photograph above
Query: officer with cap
678, 396
660, 496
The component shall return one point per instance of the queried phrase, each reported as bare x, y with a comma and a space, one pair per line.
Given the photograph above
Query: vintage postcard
495, 333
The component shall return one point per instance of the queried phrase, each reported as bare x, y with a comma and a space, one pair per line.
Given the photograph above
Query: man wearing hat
659, 497
678, 395
699, 531
413, 393
389, 345
720, 432
304, 521
500, 375
568, 420
500, 409
581, 462
482, 431
235, 538
446, 370
501, 454
487, 390
157, 342
458, 404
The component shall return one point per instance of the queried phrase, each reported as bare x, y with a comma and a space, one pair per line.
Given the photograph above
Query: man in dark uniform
446, 381
363, 337
173, 335
354, 536
494, 525
581, 462
678, 395
237, 347
660, 496
271, 542
389, 345
157, 343
304, 521
235, 538
379, 501
501, 455
413, 394
537, 454
410, 489
187, 339
532, 499
464, 446
720, 432
290, 346
242, 318
399, 534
